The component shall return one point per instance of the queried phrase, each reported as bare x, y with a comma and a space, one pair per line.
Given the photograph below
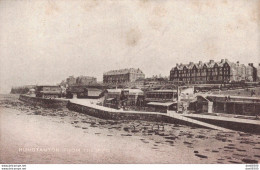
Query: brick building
123, 76
71, 80
258, 73
251, 73
48, 91
212, 72
85, 80
152, 82
81, 80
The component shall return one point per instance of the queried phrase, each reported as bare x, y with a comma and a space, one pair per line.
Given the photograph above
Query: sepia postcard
129, 82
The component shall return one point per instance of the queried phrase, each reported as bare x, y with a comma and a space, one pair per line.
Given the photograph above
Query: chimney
258, 64
226, 60
178, 64
200, 62
222, 60
191, 63
211, 61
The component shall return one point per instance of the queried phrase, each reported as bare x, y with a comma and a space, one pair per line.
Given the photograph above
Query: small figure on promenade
252, 93
257, 116
229, 98
226, 99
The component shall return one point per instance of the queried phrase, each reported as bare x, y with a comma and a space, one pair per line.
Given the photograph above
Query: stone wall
238, 126
126, 115
53, 103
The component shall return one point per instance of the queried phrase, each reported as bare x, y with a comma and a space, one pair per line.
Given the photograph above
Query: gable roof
201, 65
123, 71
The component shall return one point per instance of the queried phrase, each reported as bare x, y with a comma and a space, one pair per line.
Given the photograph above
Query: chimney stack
222, 60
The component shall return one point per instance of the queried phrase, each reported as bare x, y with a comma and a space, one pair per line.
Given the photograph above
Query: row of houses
114, 98
211, 72
214, 72
156, 100
142, 96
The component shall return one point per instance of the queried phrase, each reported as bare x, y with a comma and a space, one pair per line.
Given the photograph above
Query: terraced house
212, 72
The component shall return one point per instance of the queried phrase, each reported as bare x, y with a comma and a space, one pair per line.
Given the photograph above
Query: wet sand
31, 134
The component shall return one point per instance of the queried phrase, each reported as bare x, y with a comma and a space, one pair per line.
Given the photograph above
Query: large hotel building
123, 76
213, 72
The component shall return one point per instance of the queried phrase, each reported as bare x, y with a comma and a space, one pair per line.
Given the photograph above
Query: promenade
60, 135
222, 123
173, 115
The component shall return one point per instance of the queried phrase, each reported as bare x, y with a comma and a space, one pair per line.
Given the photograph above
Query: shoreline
220, 122
110, 141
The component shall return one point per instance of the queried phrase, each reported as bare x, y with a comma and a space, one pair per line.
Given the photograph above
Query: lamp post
178, 97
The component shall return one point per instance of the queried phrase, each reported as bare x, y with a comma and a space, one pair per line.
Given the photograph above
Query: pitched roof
161, 91
200, 65
161, 104
50, 92
131, 91
210, 64
123, 71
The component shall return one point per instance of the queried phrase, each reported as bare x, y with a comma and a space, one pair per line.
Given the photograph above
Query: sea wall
52, 103
112, 114
238, 126
126, 115
102, 113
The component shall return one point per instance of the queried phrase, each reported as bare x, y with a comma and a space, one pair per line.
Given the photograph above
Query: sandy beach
31, 134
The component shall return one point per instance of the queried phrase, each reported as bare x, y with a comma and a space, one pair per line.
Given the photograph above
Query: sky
44, 42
